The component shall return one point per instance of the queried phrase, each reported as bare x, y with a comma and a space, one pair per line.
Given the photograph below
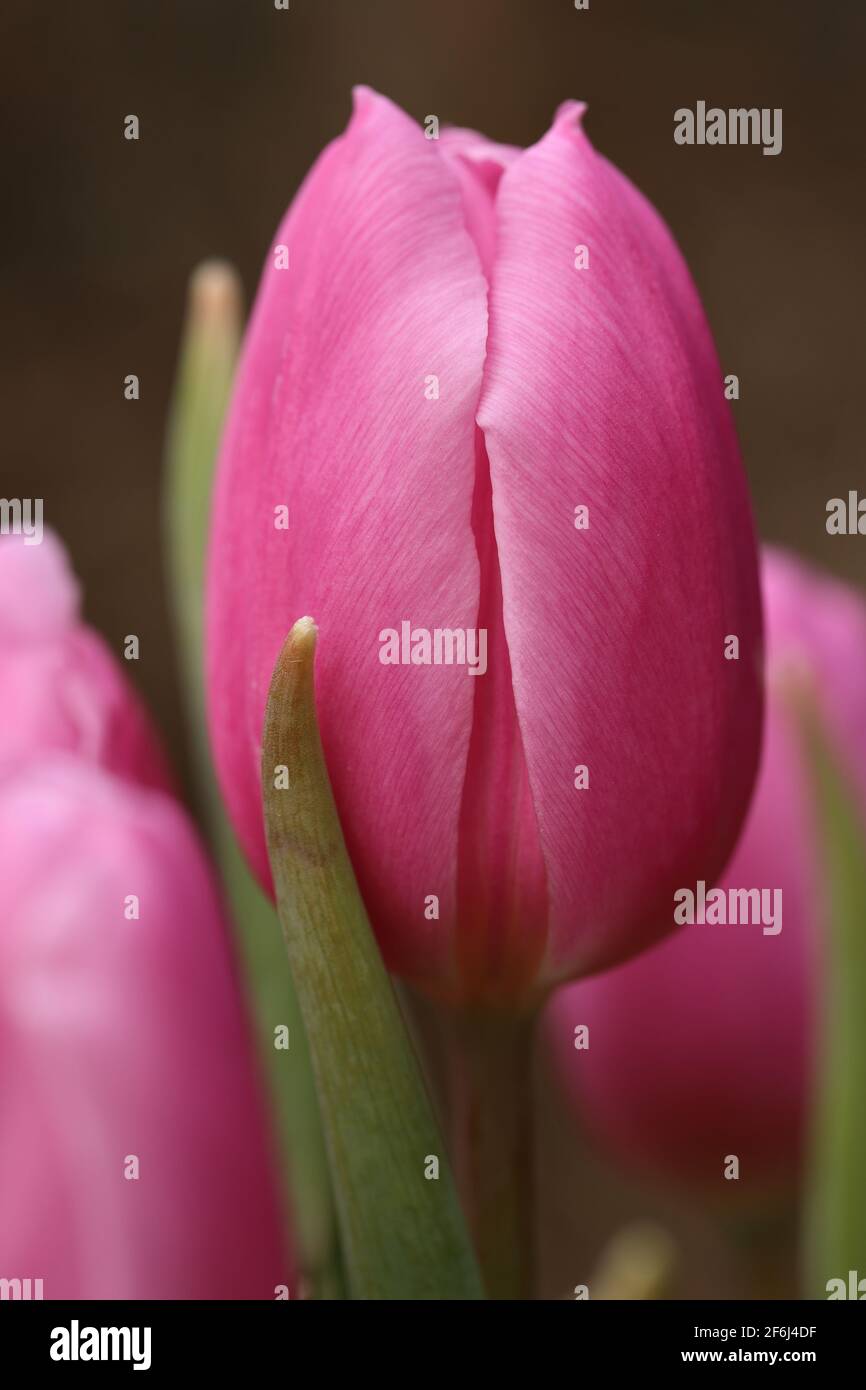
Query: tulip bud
694, 1062
465, 448
134, 1161
60, 687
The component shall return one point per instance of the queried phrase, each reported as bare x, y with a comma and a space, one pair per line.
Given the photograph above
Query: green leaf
836, 1209
208, 354
403, 1234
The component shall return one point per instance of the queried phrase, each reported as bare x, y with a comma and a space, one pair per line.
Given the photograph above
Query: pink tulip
134, 1162
430, 388
702, 1048
60, 687
134, 1158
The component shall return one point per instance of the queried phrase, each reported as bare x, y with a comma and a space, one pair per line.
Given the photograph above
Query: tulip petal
819, 633
60, 686
378, 480
711, 1043
42, 572
602, 389
122, 1036
701, 1046
478, 164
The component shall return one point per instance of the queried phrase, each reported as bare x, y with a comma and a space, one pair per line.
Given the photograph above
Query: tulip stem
490, 1103
835, 1228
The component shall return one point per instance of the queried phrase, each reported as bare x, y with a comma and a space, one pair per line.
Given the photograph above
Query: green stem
836, 1201
490, 1104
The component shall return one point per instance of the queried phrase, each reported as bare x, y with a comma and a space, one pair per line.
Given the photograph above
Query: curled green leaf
402, 1230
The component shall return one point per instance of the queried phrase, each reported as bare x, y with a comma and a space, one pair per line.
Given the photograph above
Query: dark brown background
236, 99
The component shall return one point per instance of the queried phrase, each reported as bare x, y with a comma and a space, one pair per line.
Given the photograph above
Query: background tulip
122, 1037
431, 385
121, 1040
60, 687
704, 1047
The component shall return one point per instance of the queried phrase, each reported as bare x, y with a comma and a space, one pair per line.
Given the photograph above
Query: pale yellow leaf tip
215, 293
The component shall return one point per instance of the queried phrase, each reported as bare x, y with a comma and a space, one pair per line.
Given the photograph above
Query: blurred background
236, 99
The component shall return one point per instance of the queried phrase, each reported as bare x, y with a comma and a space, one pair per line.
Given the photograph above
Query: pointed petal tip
362, 96
568, 119
366, 100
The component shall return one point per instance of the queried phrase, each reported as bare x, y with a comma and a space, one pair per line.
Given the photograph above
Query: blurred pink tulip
60, 687
134, 1162
434, 383
702, 1048
134, 1157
